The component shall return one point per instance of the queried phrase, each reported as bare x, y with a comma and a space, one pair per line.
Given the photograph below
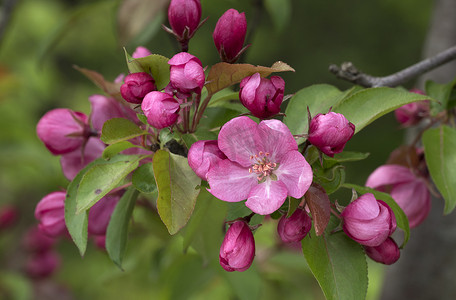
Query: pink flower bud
186, 73
202, 155
141, 52
161, 109
294, 228
410, 192
229, 35
238, 248
9, 215
368, 221
100, 214
51, 214
62, 130
412, 113
36, 241
100, 241
184, 14
262, 96
386, 253
103, 109
136, 86
330, 132
42, 265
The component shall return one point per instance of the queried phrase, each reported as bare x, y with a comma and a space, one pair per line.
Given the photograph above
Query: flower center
263, 167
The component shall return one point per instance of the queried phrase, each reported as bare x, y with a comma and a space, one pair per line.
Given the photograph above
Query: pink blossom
238, 248
51, 214
409, 191
9, 214
106, 108
42, 265
36, 241
330, 132
62, 130
100, 214
136, 86
262, 96
294, 228
141, 52
386, 253
184, 14
368, 221
161, 109
202, 155
263, 165
229, 35
186, 73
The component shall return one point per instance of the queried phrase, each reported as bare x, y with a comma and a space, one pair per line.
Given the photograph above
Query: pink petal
414, 199
103, 109
230, 182
276, 139
364, 208
389, 174
249, 86
295, 173
238, 139
267, 197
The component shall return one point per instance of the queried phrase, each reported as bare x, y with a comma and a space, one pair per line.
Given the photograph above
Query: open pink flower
263, 165
410, 192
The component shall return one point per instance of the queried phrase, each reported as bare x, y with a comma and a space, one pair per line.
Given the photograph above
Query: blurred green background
45, 38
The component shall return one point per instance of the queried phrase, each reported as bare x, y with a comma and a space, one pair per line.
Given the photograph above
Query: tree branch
349, 72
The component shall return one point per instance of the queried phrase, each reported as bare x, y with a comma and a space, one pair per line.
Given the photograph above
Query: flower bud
410, 192
141, 52
161, 109
8, 216
136, 86
103, 109
262, 96
42, 265
368, 221
229, 35
51, 214
386, 253
330, 132
238, 248
202, 155
411, 114
100, 241
184, 14
186, 73
36, 241
100, 214
294, 228
62, 130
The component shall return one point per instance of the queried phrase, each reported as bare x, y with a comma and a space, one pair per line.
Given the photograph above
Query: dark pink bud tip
184, 14
294, 228
9, 215
136, 86
238, 248
51, 214
161, 109
386, 253
229, 34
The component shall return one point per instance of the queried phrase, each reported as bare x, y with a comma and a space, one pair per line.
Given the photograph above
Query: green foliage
143, 179
155, 64
443, 93
117, 231
119, 129
177, 190
439, 149
115, 148
338, 263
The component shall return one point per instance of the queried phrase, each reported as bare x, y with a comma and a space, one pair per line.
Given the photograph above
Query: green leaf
143, 179
338, 263
319, 98
441, 93
345, 156
119, 129
114, 149
401, 218
155, 64
100, 179
440, 152
365, 106
330, 179
116, 234
177, 191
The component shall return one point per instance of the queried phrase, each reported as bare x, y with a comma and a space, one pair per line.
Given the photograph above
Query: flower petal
230, 182
295, 173
267, 197
414, 199
389, 174
238, 139
276, 139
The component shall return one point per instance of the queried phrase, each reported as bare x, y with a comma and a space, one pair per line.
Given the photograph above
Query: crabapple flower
141, 52
103, 109
9, 215
410, 192
42, 265
51, 214
136, 86
36, 241
186, 73
184, 14
294, 228
330, 132
411, 114
202, 155
62, 130
238, 248
263, 165
100, 214
229, 35
161, 109
386, 253
262, 96
368, 221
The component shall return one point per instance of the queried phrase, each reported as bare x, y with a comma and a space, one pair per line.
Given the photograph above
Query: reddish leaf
319, 205
223, 75
110, 88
